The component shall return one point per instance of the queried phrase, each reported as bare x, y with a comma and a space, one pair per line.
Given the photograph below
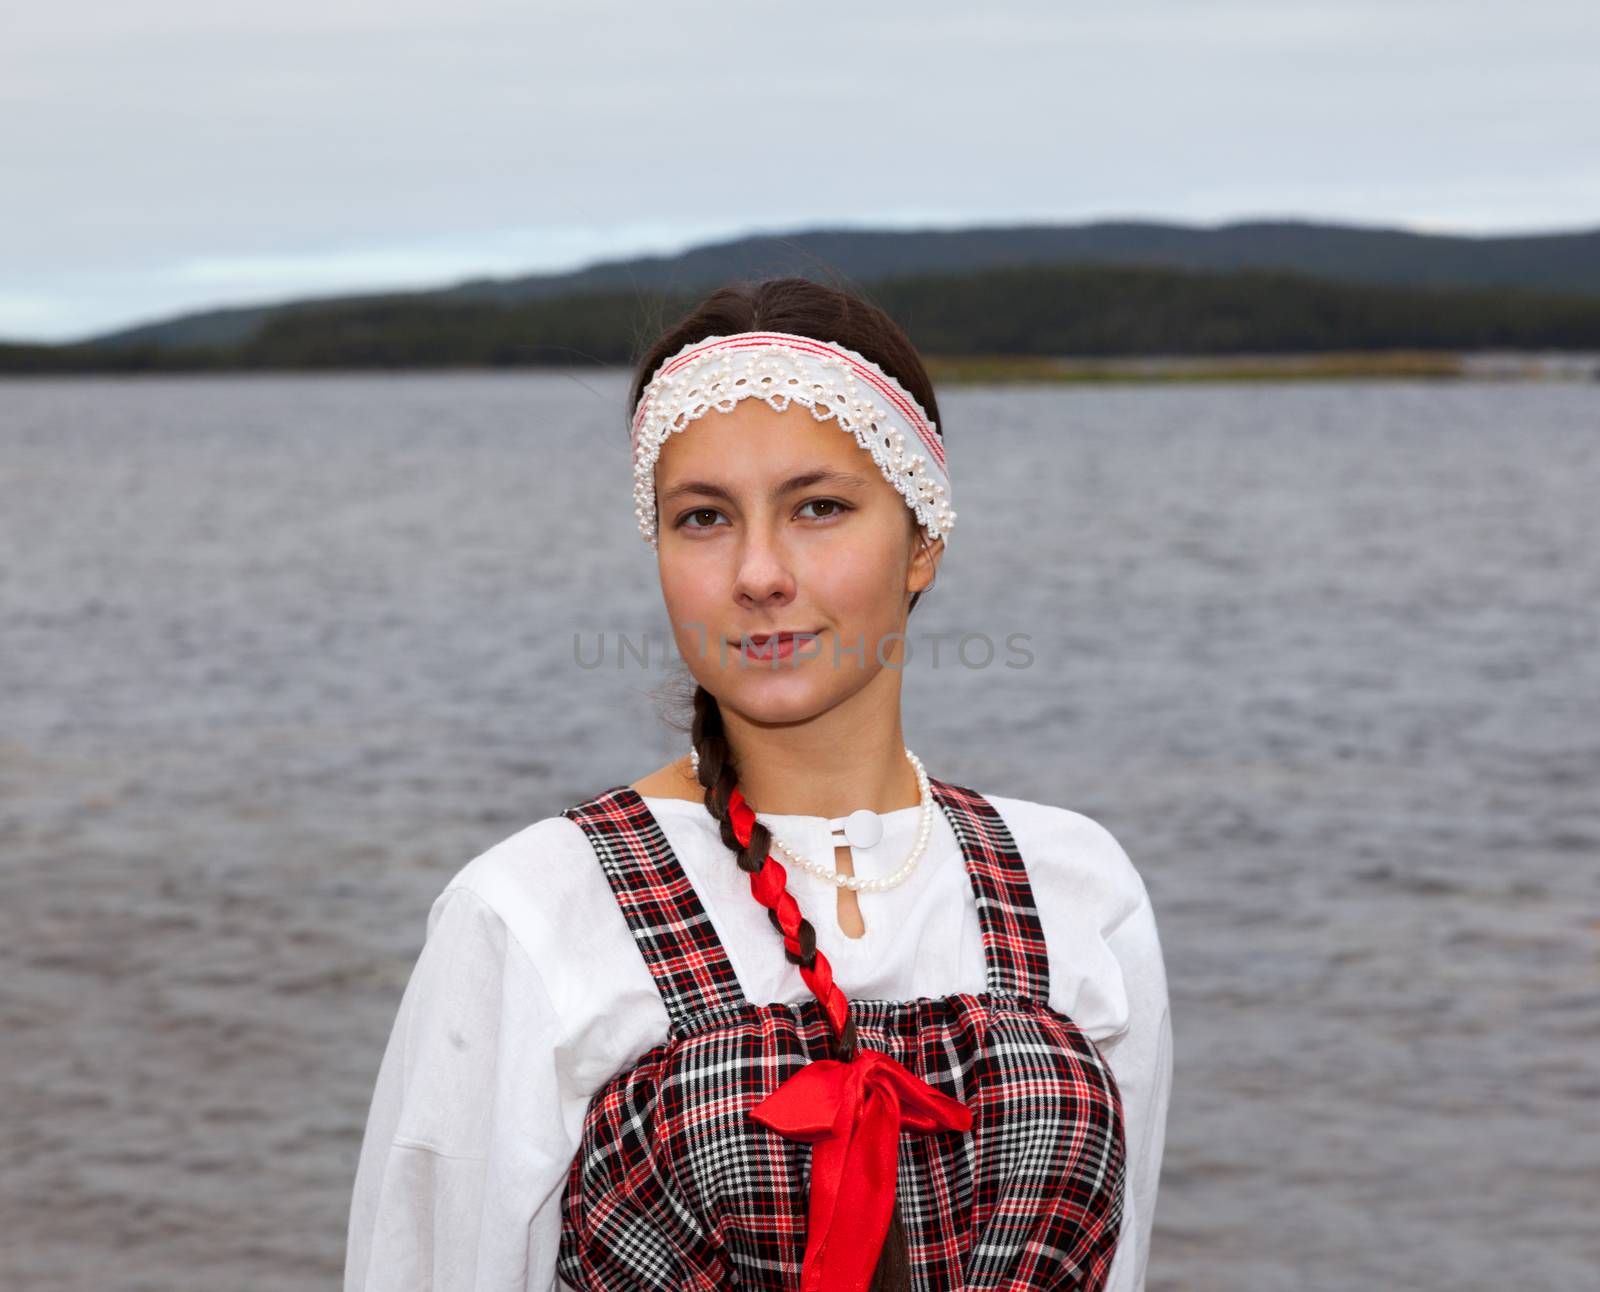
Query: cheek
682, 591
697, 600
864, 586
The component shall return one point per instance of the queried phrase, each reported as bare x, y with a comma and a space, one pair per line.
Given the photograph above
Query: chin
775, 699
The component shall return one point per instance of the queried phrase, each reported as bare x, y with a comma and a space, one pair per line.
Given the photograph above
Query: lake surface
281, 653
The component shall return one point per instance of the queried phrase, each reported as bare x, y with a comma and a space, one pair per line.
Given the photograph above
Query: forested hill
1094, 311
1097, 289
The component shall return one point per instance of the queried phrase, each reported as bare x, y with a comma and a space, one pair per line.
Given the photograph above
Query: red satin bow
852, 1114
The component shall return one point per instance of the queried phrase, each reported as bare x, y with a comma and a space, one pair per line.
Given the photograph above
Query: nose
764, 577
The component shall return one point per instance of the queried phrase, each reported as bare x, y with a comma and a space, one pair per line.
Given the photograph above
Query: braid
719, 777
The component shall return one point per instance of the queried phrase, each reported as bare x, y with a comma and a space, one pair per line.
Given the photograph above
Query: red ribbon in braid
851, 1114
770, 887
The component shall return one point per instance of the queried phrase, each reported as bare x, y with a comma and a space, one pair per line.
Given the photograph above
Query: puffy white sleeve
469, 1134
1141, 1061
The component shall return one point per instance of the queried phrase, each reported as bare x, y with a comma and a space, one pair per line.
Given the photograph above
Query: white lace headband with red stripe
780, 367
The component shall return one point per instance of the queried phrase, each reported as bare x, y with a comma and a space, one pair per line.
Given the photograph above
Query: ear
925, 558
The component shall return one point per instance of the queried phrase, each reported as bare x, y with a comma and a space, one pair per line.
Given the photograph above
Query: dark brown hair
825, 313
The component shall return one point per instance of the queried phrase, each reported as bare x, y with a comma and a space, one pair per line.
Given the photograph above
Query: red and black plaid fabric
675, 1186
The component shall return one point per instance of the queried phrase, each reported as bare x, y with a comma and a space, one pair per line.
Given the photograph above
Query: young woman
790, 1012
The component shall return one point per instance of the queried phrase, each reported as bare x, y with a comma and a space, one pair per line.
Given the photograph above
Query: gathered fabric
853, 1113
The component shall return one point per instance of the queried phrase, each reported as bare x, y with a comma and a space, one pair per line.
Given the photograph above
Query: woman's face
774, 522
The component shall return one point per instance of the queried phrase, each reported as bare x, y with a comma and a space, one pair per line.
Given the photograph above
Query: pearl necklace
860, 832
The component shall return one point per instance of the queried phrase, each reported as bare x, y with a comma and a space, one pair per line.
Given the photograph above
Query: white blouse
530, 993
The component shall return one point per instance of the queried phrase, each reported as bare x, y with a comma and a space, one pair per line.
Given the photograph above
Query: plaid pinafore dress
674, 1184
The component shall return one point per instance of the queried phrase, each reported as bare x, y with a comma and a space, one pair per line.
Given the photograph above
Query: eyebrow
822, 475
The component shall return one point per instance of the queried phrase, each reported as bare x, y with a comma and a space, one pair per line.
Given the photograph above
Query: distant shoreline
969, 370
1452, 365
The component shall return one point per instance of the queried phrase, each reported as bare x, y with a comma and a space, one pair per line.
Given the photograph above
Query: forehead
756, 440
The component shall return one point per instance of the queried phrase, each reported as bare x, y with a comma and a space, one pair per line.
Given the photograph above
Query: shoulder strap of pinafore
670, 926
1013, 938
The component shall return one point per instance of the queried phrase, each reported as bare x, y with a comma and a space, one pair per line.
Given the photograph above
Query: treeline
1092, 311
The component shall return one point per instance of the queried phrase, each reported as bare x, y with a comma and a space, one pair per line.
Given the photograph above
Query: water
281, 653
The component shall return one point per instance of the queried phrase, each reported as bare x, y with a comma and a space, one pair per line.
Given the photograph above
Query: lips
761, 639
783, 645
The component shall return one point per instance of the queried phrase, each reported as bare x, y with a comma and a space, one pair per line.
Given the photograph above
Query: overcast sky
168, 155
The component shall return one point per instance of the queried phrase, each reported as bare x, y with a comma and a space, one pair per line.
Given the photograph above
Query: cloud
174, 153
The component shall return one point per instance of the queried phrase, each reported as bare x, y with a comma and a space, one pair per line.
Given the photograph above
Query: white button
863, 828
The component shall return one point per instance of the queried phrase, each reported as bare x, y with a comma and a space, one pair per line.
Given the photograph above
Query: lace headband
780, 368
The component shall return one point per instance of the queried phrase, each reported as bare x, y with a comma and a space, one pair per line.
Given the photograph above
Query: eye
839, 508
683, 521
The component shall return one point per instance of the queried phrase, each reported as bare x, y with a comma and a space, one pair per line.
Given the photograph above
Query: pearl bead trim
716, 373
859, 883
